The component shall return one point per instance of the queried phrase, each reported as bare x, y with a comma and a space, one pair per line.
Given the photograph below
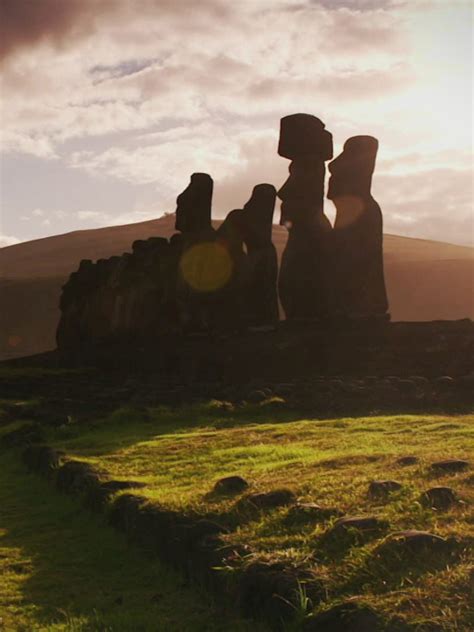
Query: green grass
179, 454
63, 570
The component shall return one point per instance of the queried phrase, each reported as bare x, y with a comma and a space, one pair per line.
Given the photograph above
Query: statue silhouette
197, 263
305, 290
262, 265
357, 236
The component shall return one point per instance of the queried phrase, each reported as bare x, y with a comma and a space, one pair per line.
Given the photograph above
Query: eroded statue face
302, 192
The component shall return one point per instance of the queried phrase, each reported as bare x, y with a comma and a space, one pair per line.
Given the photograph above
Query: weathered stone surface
405, 461
304, 285
76, 477
230, 485
440, 498
405, 544
272, 499
271, 590
382, 489
124, 512
311, 513
450, 466
261, 300
98, 495
353, 530
41, 459
359, 285
346, 617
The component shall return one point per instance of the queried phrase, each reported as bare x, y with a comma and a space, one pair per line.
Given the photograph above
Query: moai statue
304, 284
229, 304
193, 206
262, 264
358, 254
150, 289
200, 268
71, 332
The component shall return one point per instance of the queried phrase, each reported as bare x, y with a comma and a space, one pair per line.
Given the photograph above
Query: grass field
61, 569
179, 454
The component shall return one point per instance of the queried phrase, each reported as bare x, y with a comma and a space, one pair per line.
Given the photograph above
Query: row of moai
204, 280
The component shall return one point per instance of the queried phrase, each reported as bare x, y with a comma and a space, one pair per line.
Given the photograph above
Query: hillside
426, 280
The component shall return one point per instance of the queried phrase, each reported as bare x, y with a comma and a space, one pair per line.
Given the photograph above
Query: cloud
25, 24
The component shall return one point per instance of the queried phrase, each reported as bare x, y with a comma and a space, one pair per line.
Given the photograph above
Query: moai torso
305, 290
359, 285
262, 264
199, 268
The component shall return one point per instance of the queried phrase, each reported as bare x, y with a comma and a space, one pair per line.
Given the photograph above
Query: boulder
440, 498
272, 499
405, 461
230, 485
311, 513
450, 466
382, 489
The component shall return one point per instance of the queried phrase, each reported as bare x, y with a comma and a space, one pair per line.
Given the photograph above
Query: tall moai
200, 270
262, 264
358, 240
304, 281
229, 306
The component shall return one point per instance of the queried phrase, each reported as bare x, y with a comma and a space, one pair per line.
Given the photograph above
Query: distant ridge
426, 280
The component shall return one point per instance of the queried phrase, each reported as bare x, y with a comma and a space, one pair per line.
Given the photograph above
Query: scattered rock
230, 485
450, 466
269, 500
345, 617
405, 461
382, 489
124, 510
351, 530
271, 590
405, 545
311, 513
439, 498
41, 459
77, 477
98, 495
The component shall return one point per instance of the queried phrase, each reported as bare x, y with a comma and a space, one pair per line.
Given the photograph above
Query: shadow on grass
64, 570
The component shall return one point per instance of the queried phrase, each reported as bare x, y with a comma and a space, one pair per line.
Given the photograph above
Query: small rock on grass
405, 461
450, 466
353, 530
269, 500
311, 513
230, 485
382, 489
405, 545
439, 498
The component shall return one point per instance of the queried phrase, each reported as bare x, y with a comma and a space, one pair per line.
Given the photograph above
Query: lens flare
206, 267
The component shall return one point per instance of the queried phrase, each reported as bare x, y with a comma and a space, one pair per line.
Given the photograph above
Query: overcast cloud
108, 106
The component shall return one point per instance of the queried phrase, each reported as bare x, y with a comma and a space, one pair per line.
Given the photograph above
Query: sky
108, 106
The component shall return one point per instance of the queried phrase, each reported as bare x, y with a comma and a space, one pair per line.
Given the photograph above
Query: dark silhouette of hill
426, 280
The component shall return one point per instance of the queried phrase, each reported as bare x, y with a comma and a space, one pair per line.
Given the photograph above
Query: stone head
303, 135
258, 212
302, 192
193, 205
351, 172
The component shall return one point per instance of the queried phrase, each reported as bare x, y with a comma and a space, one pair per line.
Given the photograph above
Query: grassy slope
62, 570
179, 455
